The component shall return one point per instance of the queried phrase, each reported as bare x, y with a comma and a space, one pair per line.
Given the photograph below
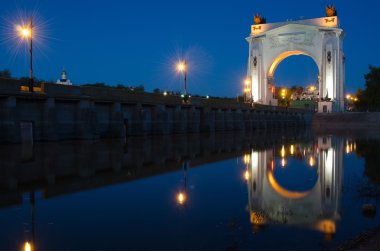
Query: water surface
265, 191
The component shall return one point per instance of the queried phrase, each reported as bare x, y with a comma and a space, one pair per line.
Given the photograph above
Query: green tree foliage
5, 74
369, 98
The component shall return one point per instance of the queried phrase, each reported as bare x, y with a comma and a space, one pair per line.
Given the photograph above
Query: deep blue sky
137, 42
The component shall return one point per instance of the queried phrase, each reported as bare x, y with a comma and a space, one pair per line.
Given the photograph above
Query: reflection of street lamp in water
182, 194
30, 246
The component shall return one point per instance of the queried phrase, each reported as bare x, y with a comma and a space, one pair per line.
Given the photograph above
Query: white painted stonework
319, 38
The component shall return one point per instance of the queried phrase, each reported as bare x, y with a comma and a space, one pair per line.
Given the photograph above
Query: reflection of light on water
311, 161
292, 149
181, 198
283, 162
326, 226
27, 247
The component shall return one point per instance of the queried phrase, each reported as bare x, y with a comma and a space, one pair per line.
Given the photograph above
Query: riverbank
366, 241
346, 122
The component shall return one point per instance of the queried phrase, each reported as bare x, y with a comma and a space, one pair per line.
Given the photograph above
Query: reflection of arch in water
283, 191
316, 208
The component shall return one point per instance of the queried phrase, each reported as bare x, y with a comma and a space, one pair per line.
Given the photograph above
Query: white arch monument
319, 38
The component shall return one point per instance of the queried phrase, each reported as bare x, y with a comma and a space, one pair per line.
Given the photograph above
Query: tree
369, 97
5, 73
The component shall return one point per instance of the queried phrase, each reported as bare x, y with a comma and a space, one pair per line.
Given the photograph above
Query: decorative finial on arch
331, 11
258, 19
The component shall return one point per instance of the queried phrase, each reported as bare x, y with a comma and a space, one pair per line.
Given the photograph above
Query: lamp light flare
27, 246
23, 31
181, 198
181, 67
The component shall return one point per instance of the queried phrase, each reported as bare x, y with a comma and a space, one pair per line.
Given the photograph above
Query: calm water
269, 191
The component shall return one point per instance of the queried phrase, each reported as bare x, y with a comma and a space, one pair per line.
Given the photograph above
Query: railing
110, 94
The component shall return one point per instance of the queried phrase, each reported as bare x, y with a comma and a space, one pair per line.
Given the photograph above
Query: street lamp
182, 68
26, 32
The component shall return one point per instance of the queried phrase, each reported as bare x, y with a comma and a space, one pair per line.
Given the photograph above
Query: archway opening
295, 76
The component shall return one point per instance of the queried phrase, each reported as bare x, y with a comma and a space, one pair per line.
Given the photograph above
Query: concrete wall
77, 112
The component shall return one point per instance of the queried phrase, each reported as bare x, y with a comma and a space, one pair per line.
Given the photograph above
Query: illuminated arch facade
319, 38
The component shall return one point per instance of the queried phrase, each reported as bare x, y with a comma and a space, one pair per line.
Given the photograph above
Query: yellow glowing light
247, 90
247, 81
348, 96
181, 198
283, 151
24, 31
181, 66
312, 88
291, 149
165, 93
247, 159
246, 175
347, 149
326, 226
283, 162
27, 246
356, 99
311, 161
284, 192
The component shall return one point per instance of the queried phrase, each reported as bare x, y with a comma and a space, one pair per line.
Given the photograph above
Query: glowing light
247, 81
326, 226
283, 162
247, 159
181, 66
348, 96
347, 149
27, 246
246, 175
284, 192
291, 149
181, 198
24, 31
283, 151
165, 93
311, 161
207, 96
312, 88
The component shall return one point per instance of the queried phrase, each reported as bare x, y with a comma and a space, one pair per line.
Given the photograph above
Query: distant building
64, 80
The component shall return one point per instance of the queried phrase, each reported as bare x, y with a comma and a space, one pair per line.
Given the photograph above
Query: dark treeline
369, 98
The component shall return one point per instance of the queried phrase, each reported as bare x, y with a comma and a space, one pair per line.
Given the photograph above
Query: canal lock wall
57, 112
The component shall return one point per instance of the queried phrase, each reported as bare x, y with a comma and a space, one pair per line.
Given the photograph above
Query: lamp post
26, 32
182, 68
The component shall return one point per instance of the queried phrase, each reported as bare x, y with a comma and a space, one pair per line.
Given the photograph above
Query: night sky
138, 42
